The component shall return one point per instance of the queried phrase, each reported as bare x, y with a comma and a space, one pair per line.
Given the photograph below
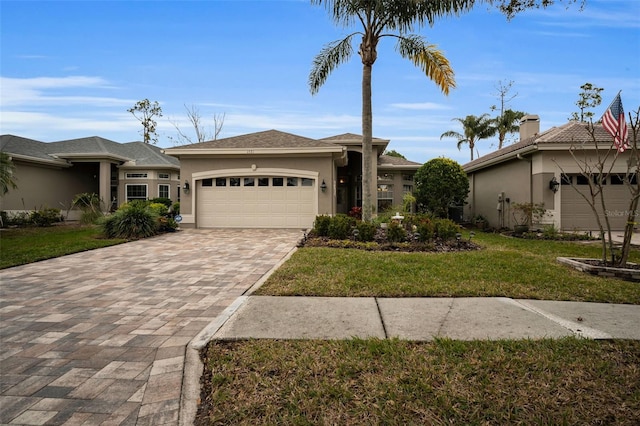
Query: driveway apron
99, 337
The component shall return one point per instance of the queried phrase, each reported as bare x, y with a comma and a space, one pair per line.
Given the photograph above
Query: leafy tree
587, 99
440, 184
145, 111
474, 128
394, 153
7, 169
390, 18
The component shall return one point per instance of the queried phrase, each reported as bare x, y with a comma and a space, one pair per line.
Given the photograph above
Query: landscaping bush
45, 217
321, 225
175, 208
446, 229
426, 228
132, 221
340, 227
396, 233
89, 204
366, 231
161, 200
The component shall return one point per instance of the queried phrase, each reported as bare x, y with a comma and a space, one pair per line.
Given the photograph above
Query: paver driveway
99, 337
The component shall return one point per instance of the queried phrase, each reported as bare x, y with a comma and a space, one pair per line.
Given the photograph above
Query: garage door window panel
249, 182
263, 181
278, 181
207, 182
221, 181
306, 182
292, 181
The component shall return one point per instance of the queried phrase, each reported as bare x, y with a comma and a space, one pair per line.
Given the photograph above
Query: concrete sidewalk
423, 319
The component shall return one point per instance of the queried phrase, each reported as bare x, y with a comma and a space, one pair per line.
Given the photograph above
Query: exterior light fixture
185, 188
554, 184
323, 186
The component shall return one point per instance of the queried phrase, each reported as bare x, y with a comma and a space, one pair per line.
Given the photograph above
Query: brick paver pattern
99, 337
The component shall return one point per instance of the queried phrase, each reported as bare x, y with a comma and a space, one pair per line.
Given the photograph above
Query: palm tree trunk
367, 135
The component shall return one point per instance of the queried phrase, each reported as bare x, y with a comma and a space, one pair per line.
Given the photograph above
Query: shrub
133, 220
321, 225
446, 229
396, 233
356, 213
175, 208
161, 200
158, 209
89, 204
340, 227
366, 231
426, 228
45, 217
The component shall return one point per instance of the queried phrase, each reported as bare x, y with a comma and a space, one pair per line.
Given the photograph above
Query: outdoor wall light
185, 188
554, 184
323, 186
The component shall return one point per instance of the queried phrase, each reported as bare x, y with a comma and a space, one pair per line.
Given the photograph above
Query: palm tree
507, 123
475, 129
7, 168
388, 18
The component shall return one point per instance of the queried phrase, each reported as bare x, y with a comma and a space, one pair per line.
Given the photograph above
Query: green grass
19, 246
353, 382
506, 267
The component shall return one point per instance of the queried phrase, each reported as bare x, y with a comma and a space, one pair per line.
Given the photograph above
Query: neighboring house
52, 174
523, 172
274, 179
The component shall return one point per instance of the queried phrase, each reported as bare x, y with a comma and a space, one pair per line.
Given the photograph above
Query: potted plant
524, 214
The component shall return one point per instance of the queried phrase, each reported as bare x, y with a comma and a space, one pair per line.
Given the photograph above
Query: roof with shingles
94, 146
350, 137
390, 160
266, 139
573, 132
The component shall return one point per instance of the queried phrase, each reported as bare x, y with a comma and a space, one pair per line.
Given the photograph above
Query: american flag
614, 123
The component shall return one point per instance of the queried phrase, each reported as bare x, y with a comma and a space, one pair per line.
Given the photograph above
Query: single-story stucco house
50, 175
528, 170
273, 179
269, 179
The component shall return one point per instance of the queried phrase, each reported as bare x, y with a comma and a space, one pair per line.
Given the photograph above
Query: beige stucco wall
323, 165
41, 187
511, 179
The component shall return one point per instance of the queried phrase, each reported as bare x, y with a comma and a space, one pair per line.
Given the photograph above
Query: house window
306, 182
207, 182
263, 181
408, 178
407, 189
136, 192
385, 176
385, 192
163, 191
136, 175
163, 176
221, 181
234, 181
277, 181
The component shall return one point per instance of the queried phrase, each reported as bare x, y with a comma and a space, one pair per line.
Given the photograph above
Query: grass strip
505, 267
373, 381
19, 246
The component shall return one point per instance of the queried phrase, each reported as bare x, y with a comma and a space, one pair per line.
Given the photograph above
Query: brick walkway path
99, 337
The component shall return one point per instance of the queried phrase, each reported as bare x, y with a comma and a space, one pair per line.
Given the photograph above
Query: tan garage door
576, 213
256, 202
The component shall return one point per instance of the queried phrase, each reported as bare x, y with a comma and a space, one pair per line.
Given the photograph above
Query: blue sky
72, 69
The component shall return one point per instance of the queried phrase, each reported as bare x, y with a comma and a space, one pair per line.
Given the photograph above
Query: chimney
529, 126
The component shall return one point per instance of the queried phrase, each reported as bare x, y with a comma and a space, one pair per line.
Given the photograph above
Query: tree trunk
367, 135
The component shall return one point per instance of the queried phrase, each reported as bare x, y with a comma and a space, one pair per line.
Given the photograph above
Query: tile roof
573, 132
265, 139
390, 160
140, 153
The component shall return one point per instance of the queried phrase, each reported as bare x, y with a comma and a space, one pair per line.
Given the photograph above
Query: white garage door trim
255, 207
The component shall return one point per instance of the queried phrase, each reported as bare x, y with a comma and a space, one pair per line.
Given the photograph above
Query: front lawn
508, 267
353, 382
19, 246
